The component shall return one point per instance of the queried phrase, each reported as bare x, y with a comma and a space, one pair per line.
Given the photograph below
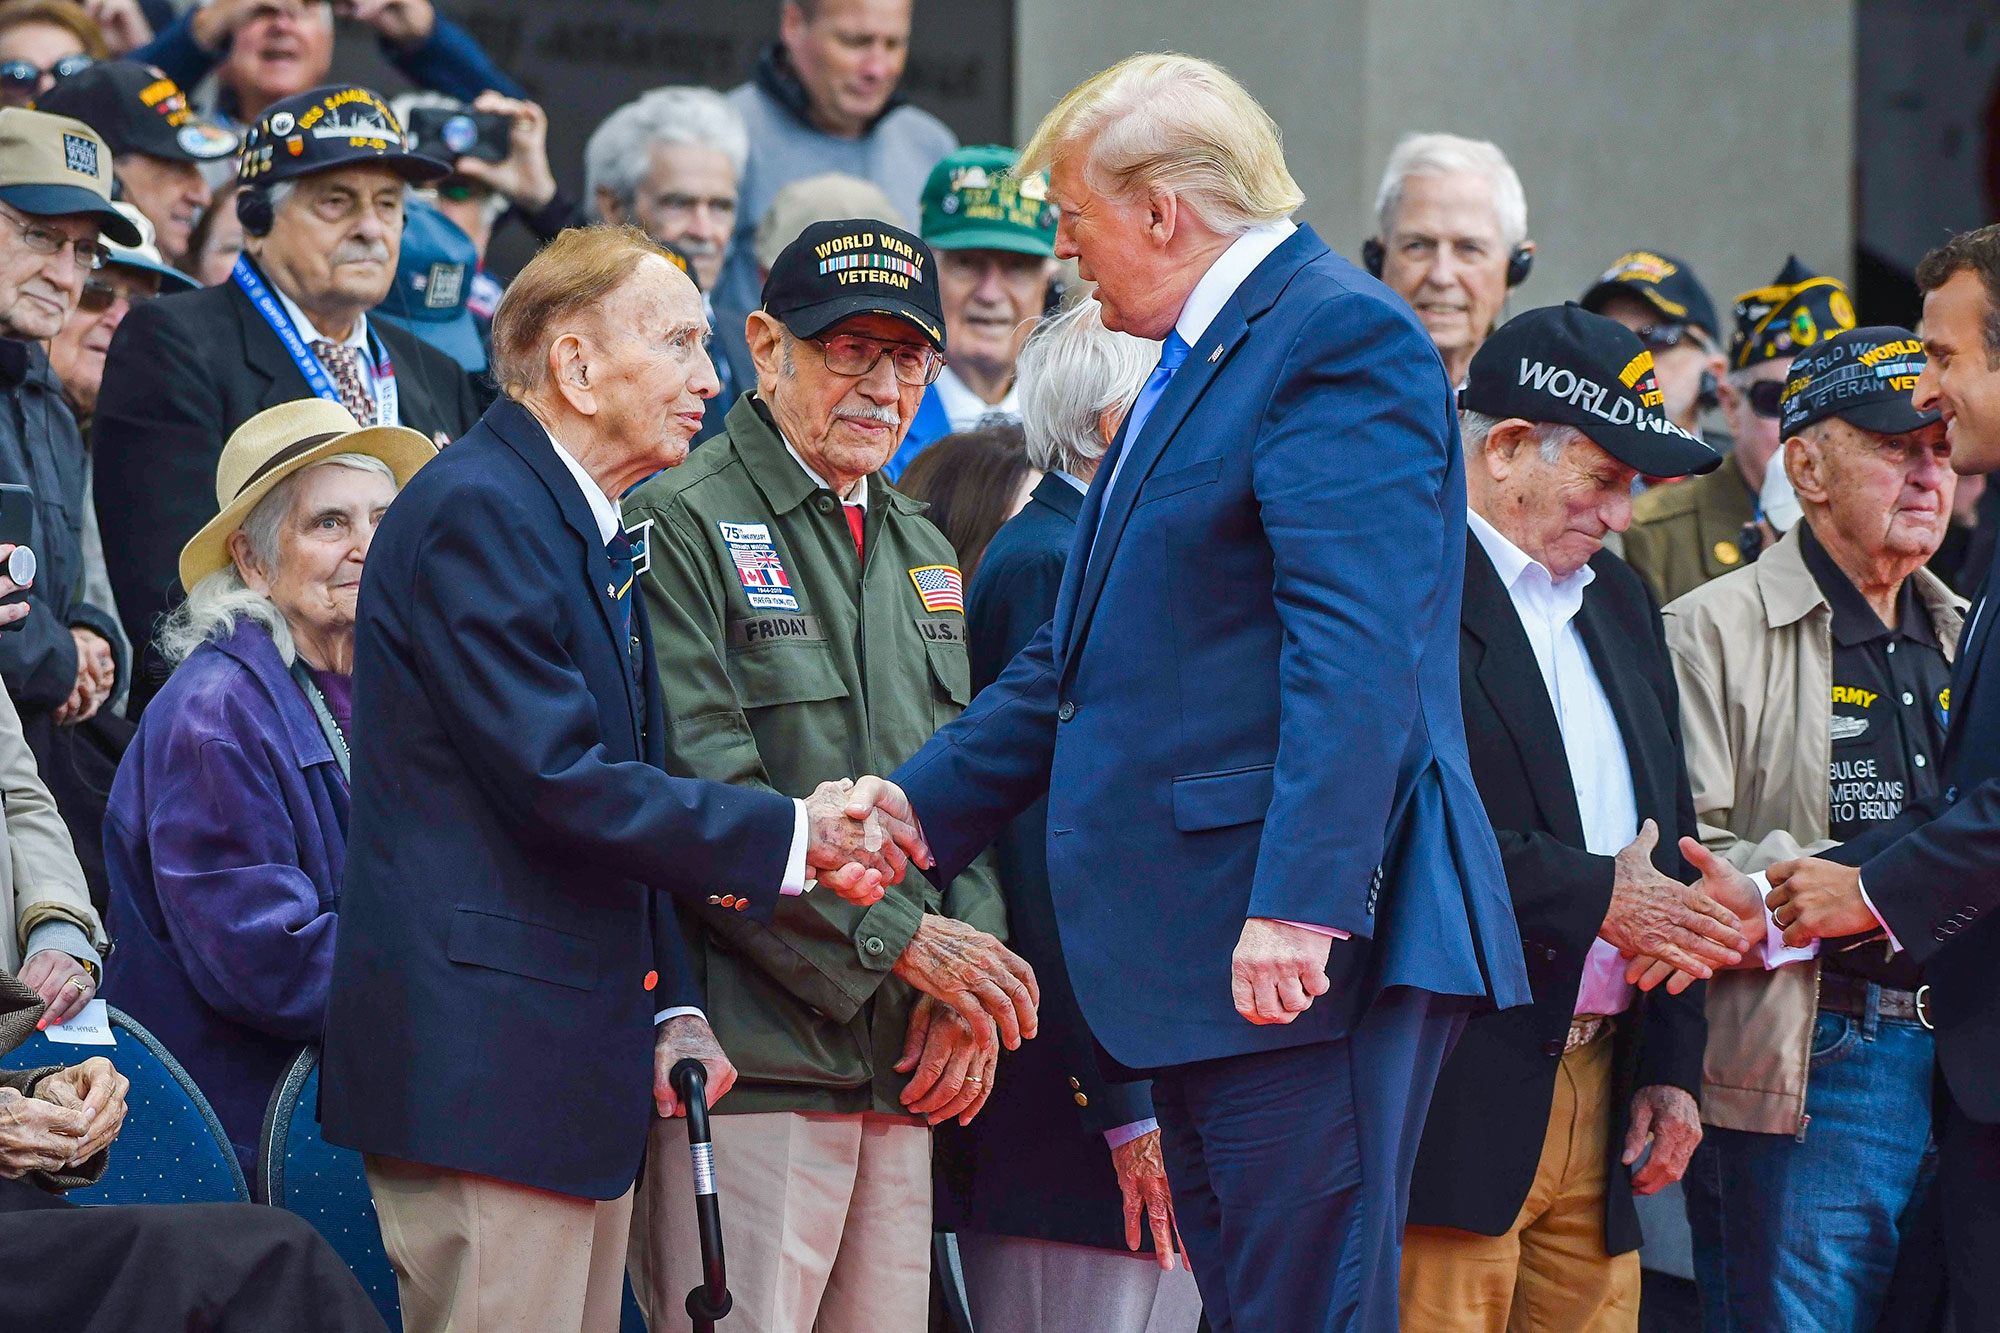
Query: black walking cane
709, 1301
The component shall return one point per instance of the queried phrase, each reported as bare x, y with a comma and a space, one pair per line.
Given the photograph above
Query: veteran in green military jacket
809, 624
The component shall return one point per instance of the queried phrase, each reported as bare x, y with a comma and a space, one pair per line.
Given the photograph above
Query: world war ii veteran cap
52, 166
1799, 309
974, 201
856, 266
138, 109
1660, 281
340, 125
1563, 365
1862, 376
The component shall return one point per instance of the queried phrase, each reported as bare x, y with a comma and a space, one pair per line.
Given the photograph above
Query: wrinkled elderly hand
1277, 970
98, 1090
523, 178
862, 836
96, 675
38, 1135
1729, 887
684, 1037
1666, 1117
61, 981
954, 1060
974, 974
1664, 919
1814, 899
1142, 1180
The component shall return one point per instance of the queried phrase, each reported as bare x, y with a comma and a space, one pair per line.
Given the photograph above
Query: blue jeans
1792, 1234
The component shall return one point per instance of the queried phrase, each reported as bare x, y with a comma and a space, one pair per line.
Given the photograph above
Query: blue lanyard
309, 366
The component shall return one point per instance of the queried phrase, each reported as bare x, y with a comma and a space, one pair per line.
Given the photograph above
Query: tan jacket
1753, 654
40, 880
1684, 534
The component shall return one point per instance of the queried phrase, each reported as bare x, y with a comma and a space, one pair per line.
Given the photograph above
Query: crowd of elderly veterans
483, 677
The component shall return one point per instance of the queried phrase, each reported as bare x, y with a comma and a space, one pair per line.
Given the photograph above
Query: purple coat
224, 844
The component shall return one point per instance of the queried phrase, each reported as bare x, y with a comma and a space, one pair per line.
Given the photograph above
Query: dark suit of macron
183, 372
1033, 1163
512, 820
1491, 1110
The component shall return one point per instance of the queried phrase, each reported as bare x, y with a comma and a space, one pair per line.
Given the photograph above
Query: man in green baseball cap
995, 238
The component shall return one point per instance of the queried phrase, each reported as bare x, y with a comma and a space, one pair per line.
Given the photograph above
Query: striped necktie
344, 364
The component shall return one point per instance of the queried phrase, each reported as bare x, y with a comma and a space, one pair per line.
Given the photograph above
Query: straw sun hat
273, 445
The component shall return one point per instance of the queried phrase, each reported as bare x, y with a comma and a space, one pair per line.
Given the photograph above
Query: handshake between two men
976, 995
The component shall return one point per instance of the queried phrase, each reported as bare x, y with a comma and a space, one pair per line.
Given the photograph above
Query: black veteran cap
340, 125
1799, 309
138, 109
1662, 282
1565, 366
837, 270
1862, 376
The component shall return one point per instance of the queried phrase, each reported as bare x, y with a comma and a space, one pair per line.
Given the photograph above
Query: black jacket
182, 373
41, 448
1932, 874
1491, 1108
1034, 1163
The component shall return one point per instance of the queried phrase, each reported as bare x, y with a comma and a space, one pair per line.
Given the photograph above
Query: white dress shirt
966, 409
609, 519
1600, 770
357, 338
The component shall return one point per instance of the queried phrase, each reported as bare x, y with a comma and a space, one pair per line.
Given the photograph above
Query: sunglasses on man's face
1765, 396
99, 296
1662, 337
21, 78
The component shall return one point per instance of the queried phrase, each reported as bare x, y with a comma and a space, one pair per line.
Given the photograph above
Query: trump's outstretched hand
1814, 899
1278, 970
861, 836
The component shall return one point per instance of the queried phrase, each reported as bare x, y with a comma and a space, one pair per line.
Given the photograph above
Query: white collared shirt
1600, 769
357, 338
1226, 274
966, 409
857, 494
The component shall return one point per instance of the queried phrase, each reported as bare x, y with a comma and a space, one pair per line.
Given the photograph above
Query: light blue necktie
1172, 353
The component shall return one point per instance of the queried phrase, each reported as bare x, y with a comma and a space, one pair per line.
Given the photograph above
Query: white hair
620, 150
218, 601
1447, 155
1550, 437
1071, 371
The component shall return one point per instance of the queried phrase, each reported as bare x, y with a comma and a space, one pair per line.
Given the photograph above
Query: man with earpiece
1451, 238
323, 178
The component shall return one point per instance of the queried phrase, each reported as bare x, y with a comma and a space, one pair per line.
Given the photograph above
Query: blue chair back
172, 1148
298, 1170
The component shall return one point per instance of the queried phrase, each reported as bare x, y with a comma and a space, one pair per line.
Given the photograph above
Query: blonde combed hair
1177, 125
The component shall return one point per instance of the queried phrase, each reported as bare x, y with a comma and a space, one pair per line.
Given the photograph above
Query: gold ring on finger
80, 984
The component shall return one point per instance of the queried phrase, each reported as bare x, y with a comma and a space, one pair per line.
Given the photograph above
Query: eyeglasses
1766, 398
1662, 337
849, 354
48, 241
99, 296
24, 77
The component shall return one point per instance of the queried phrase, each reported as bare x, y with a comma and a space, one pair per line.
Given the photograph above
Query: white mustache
350, 252
884, 416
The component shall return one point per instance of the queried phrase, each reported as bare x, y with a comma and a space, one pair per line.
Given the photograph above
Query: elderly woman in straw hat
228, 823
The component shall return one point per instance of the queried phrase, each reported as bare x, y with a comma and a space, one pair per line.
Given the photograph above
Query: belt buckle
1923, 1007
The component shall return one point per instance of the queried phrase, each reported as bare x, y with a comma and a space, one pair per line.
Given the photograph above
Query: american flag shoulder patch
940, 587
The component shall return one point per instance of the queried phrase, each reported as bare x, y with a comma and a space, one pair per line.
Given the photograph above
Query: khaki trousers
1549, 1272
478, 1255
826, 1221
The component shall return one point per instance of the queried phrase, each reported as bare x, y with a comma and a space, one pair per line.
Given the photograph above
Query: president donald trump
1276, 886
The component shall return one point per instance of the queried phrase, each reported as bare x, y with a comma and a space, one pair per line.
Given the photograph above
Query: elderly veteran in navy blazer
1521, 1210
503, 959
1275, 883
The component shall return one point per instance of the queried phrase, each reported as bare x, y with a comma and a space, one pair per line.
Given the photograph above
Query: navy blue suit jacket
1264, 640
1934, 874
490, 1009
1033, 1163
